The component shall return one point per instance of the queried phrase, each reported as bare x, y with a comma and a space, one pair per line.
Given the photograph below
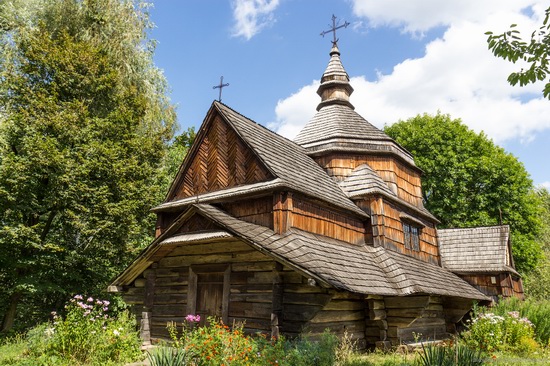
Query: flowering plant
508, 332
88, 334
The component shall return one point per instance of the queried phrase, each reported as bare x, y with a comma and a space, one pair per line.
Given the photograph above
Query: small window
412, 236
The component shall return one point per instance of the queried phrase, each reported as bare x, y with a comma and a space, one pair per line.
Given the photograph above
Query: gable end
218, 159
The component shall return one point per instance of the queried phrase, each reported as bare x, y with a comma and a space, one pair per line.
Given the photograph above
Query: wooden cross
220, 86
334, 28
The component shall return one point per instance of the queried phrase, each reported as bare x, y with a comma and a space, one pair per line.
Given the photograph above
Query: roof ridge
477, 227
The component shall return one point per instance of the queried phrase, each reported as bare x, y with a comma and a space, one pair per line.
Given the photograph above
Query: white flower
116, 332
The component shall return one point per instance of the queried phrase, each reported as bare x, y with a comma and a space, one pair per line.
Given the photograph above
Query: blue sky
403, 57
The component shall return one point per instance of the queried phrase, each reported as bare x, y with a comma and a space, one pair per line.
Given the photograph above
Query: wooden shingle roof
360, 269
363, 180
288, 161
479, 249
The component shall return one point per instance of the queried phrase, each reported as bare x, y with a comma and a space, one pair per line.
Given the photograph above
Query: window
412, 236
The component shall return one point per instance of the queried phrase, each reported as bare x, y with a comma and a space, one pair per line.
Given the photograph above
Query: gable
219, 159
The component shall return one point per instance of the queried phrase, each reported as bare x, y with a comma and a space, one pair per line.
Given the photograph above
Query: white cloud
457, 74
421, 15
293, 112
545, 185
252, 15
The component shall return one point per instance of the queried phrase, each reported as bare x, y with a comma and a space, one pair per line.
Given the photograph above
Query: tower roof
335, 87
337, 126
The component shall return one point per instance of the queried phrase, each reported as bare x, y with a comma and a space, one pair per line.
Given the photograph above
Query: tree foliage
535, 52
469, 181
84, 126
537, 282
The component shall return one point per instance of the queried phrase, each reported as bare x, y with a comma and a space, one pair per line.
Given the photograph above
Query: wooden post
277, 302
282, 212
146, 315
158, 226
226, 292
192, 292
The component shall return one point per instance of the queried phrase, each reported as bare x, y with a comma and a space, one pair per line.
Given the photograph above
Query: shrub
508, 332
214, 344
87, 334
218, 344
537, 311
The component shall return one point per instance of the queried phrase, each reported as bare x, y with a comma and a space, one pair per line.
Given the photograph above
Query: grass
12, 350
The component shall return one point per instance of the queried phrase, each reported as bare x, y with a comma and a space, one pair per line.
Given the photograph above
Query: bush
499, 333
86, 335
218, 344
537, 311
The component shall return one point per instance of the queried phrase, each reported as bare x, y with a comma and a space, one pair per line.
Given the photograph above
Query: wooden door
209, 295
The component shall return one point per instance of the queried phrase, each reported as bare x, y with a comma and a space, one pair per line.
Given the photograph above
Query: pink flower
78, 297
90, 299
106, 303
193, 318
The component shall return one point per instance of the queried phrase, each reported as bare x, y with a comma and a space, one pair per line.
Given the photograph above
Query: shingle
288, 161
480, 249
360, 269
339, 127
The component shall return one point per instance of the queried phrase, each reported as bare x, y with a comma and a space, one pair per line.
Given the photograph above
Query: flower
78, 297
90, 299
193, 318
116, 332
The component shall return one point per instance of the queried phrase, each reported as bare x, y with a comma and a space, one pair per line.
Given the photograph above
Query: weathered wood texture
376, 321
456, 309
309, 216
222, 160
387, 231
496, 284
196, 223
258, 211
345, 313
415, 317
401, 179
164, 220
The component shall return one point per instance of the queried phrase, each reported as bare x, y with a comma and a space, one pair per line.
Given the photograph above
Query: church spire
335, 87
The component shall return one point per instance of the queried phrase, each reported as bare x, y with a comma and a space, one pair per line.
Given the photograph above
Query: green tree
535, 52
537, 282
84, 127
470, 181
176, 153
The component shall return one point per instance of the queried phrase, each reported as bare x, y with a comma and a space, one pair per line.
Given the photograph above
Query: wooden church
293, 237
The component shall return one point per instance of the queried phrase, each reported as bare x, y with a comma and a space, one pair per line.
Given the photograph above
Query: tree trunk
9, 316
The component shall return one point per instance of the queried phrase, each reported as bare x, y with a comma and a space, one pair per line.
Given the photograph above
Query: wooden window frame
411, 236
194, 271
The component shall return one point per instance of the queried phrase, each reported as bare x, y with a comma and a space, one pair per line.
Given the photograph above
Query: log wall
221, 160
387, 230
402, 180
413, 318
